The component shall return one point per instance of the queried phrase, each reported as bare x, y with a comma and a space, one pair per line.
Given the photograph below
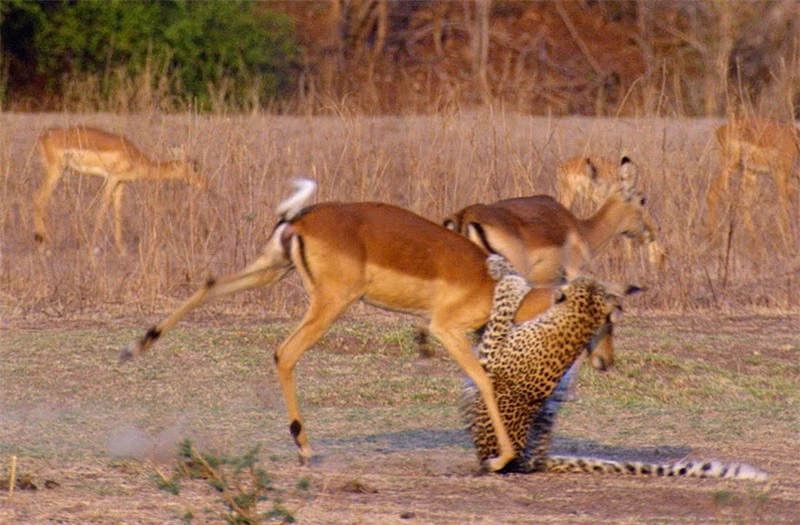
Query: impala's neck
167, 170
601, 227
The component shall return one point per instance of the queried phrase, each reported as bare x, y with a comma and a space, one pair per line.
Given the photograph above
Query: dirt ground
389, 448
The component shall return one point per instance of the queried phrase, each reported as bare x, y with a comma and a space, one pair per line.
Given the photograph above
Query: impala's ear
619, 290
627, 174
634, 289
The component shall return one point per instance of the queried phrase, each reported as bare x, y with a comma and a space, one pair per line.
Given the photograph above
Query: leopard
532, 366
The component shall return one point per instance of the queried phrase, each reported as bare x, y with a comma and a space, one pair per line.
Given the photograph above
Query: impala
90, 151
546, 243
589, 180
756, 148
384, 256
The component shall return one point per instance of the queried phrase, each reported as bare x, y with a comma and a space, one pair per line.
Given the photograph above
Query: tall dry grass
177, 236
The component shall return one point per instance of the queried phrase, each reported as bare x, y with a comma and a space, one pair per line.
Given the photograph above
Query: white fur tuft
746, 471
291, 206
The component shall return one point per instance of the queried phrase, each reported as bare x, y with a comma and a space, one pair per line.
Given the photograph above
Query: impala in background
90, 151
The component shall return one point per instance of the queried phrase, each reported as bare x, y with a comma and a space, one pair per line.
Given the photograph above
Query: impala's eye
643, 201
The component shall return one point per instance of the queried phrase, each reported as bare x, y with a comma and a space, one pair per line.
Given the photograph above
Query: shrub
208, 50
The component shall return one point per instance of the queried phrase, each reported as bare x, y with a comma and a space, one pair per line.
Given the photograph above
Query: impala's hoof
599, 363
495, 464
304, 460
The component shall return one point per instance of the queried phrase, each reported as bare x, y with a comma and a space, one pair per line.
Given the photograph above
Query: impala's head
637, 223
640, 226
601, 347
194, 175
602, 174
187, 167
634, 220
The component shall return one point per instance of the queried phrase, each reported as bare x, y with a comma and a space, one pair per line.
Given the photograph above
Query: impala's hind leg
270, 267
718, 189
746, 201
786, 194
108, 196
324, 310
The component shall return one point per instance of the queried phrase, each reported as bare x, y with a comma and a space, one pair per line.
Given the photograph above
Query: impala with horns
383, 255
756, 148
546, 243
90, 151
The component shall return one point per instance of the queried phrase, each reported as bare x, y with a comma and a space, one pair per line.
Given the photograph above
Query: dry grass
178, 236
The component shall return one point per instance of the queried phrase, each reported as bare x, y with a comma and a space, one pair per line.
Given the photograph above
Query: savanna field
707, 358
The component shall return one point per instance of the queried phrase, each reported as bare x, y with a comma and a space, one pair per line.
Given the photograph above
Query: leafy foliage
241, 482
204, 48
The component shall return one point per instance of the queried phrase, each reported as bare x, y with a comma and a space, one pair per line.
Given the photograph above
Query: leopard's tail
697, 469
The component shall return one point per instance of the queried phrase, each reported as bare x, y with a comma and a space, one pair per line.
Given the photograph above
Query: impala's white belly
95, 162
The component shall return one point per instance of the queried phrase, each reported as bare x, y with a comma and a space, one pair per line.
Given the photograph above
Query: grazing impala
756, 147
545, 242
384, 256
90, 151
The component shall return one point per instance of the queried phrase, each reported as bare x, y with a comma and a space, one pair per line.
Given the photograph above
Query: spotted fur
531, 366
539, 351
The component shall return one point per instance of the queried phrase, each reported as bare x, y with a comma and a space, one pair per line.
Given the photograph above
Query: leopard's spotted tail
697, 469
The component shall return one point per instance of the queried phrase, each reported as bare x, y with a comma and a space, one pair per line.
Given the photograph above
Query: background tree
209, 51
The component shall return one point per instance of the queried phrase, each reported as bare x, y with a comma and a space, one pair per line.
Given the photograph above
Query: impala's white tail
291, 206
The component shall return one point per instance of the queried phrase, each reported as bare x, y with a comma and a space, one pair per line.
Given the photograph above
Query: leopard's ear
559, 296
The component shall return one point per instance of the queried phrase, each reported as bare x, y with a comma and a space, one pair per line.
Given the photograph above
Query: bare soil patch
385, 426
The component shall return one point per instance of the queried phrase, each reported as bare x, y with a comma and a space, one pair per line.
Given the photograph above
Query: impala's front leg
118, 191
321, 314
41, 198
458, 346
